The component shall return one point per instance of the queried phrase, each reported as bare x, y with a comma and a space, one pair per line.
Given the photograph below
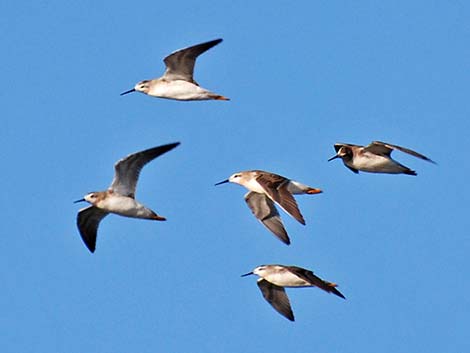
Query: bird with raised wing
177, 82
374, 158
274, 278
120, 196
267, 189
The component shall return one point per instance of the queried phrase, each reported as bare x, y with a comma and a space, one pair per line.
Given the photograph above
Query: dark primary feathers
276, 186
263, 208
311, 278
277, 297
88, 220
127, 170
180, 64
386, 149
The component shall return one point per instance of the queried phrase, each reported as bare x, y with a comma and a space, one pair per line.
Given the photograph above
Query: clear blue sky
301, 77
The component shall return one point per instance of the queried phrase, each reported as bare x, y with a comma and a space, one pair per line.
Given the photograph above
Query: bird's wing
314, 280
127, 170
277, 297
263, 208
385, 148
180, 64
276, 187
354, 170
338, 145
88, 220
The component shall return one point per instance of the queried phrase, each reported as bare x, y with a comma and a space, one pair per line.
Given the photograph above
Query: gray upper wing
263, 208
88, 220
127, 170
385, 148
180, 64
277, 297
276, 187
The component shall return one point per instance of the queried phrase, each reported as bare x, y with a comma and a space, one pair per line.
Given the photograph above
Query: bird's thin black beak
222, 182
81, 200
130, 91
334, 157
247, 274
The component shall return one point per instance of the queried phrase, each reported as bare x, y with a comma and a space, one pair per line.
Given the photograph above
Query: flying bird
120, 196
267, 189
374, 158
177, 82
274, 278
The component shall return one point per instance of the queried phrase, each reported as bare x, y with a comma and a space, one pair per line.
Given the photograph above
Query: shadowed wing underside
88, 220
264, 210
311, 278
180, 64
277, 297
127, 170
383, 148
276, 187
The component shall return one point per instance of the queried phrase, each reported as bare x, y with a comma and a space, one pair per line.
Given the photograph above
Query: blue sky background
301, 77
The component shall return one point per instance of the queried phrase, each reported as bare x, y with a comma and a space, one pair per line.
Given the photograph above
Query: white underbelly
376, 164
124, 206
180, 90
253, 185
287, 279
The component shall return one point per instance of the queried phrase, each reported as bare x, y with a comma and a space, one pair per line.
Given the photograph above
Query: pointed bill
127, 92
222, 182
334, 157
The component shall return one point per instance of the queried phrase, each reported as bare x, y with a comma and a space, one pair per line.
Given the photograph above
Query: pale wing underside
88, 220
277, 297
264, 210
276, 187
180, 64
383, 148
314, 280
127, 170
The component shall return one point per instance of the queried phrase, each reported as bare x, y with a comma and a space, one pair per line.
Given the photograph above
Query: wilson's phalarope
274, 278
374, 158
177, 82
266, 189
120, 196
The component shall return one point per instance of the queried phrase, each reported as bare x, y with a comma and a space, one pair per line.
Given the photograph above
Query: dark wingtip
173, 144
337, 292
89, 245
410, 172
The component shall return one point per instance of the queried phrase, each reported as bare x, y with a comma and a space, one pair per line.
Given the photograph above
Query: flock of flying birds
266, 190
